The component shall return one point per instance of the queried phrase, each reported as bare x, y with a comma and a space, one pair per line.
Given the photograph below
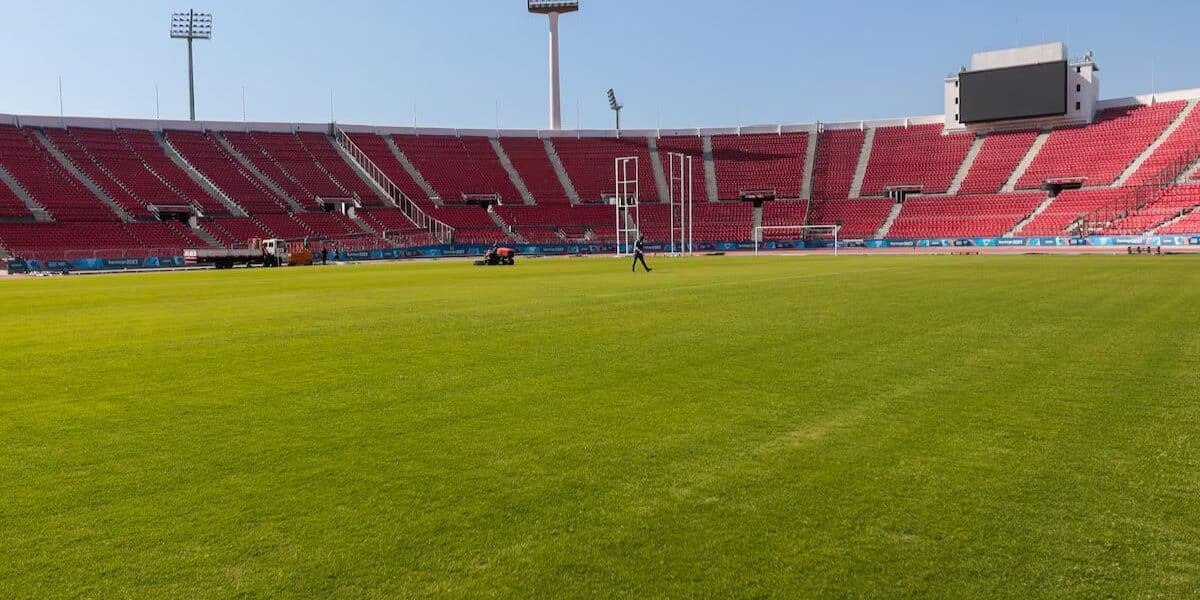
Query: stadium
940, 355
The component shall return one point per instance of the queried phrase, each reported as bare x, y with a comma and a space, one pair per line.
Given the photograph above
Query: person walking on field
639, 254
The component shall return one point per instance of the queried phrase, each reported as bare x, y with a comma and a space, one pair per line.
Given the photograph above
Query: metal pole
61, 113
243, 104
691, 223
191, 79
555, 108
157, 106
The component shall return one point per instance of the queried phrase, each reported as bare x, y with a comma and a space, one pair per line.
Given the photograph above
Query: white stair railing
443, 232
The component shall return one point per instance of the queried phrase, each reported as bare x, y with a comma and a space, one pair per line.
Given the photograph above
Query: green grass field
723, 427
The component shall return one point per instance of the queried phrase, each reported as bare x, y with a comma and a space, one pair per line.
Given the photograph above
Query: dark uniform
638, 255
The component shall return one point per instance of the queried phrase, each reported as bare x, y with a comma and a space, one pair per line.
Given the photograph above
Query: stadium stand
837, 158
996, 161
47, 181
759, 162
1098, 153
1067, 208
137, 174
376, 148
987, 215
860, 218
94, 171
590, 162
919, 156
205, 154
325, 153
458, 167
1168, 205
143, 144
529, 158
1182, 145
691, 146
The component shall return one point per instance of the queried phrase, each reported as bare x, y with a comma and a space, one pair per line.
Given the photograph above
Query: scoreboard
1018, 92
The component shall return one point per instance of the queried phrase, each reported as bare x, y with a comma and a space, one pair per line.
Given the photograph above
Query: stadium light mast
615, 106
190, 26
554, 8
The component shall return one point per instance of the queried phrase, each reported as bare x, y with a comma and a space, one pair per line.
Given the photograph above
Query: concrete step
710, 170
810, 164
1011, 184
412, 170
80, 175
204, 235
1016, 230
965, 167
513, 236
513, 175
200, 179
561, 171
889, 221
262, 177
656, 168
1149, 151
362, 223
756, 222
864, 158
39, 212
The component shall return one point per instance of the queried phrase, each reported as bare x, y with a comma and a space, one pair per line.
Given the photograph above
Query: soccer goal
826, 232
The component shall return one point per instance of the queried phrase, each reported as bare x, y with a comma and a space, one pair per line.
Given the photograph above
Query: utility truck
271, 252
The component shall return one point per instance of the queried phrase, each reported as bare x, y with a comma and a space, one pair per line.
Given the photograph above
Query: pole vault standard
552, 9
680, 196
626, 200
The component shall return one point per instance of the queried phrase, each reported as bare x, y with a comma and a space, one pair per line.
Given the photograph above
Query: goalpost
831, 230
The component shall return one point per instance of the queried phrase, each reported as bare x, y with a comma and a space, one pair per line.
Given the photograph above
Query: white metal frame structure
679, 187
625, 202
835, 229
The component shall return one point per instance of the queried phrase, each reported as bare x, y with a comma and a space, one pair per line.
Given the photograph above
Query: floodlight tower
190, 26
554, 8
615, 106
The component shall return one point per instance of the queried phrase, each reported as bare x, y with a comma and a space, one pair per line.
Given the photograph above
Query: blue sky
686, 62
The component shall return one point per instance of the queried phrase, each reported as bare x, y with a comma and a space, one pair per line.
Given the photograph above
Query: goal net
772, 233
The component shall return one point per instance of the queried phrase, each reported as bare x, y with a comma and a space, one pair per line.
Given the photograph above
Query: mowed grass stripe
890, 426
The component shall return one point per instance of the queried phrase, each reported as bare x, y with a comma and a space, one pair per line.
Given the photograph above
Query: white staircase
889, 221
511, 169
965, 167
202, 180
1016, 230
361, 173
710, 169
1149, 151
561, 171
39, 212
262, 177
756, 222
1011, 184
864, 158
499, 221
81, 176
412, 170
810, 162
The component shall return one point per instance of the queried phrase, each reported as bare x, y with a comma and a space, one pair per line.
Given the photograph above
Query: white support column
555, 99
